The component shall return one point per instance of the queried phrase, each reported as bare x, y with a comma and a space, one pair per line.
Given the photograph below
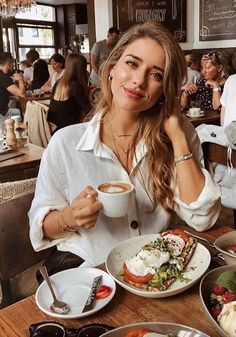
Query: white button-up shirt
75, 158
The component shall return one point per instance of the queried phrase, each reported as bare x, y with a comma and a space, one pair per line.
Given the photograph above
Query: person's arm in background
17, 90
94, 63
190, 89
216, 93
222, 115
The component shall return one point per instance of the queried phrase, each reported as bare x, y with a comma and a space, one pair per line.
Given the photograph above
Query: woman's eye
157, 76
131, 64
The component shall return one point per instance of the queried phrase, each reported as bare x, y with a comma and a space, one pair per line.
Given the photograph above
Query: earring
109, 78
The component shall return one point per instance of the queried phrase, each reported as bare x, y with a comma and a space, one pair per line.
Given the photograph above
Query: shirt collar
90, 140
91, 136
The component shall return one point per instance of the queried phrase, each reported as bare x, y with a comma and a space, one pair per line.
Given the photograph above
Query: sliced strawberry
229, 297
218, 289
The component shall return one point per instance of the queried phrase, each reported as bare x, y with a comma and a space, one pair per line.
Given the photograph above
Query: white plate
195, 269
73, 287
202, 113
178, 330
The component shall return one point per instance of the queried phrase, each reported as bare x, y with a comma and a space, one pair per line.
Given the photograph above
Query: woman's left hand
172, 127
211, 83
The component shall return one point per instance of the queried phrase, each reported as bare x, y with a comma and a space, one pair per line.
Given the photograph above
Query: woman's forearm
58, 224
190, 178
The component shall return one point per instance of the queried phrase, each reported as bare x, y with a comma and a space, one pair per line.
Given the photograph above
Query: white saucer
202, 113
73, 287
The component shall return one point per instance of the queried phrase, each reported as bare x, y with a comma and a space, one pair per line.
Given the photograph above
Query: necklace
126, 151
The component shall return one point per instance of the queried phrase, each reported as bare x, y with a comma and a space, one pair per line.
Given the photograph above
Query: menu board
217, 20
172, 13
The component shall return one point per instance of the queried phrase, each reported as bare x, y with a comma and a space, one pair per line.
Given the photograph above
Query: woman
57, 62
192, 63
136, 135
209, 87
70, 96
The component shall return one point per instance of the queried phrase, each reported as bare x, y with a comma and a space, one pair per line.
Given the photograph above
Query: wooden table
22, 167
210, 117
23, 100
125, 308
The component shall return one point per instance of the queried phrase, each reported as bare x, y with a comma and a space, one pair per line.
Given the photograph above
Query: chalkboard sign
217, 20
172, 13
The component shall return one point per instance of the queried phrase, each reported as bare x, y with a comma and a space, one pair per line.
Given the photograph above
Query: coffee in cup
115, 197
194, 111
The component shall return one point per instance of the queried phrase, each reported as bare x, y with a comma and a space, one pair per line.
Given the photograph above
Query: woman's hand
85, 208
172, 127
212, 84
191, 89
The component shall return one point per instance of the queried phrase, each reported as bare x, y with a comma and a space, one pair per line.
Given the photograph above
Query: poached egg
227, 318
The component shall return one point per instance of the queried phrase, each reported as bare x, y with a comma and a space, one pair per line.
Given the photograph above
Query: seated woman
138, 135
209, 86
192, 63
70, 96
58, 63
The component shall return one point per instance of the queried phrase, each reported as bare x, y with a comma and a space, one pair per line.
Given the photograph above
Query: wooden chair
217, 153
16, 252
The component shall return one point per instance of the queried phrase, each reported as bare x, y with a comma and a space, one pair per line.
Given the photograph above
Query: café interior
205, 31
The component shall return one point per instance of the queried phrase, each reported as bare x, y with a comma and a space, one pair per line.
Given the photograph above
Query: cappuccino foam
113, 188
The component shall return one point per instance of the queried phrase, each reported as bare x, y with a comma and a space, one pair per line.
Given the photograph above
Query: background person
40, 70
209, 86
228, 102
100, 53
9, 84
70, 97
57, 62
192, 63
137, 134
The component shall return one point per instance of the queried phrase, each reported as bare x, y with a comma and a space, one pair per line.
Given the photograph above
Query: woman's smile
132, 93
137, 77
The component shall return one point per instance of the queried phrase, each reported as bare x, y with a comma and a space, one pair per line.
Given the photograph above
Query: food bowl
205, 290
223, 242
177, 330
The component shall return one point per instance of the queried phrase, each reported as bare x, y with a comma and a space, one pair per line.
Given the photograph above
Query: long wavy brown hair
159, 156
75, 75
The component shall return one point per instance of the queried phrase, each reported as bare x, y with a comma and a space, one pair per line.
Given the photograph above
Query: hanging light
12, 7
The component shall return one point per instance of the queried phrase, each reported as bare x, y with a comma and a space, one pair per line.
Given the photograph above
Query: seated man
8, 85
40, 69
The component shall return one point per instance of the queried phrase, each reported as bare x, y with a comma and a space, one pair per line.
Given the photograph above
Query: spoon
57, 306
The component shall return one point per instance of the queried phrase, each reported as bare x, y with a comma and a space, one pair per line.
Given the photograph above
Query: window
35, 28
38, 12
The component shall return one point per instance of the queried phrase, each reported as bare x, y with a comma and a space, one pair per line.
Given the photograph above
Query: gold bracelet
183, 157
64, 227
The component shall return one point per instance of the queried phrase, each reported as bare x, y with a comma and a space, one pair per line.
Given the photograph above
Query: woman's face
56, 66
209, 71
137, 77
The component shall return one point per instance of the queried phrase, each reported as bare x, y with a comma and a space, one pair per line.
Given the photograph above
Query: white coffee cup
194, 111
115, 197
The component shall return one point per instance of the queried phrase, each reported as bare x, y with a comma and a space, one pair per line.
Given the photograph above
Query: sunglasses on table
212, 55
54, 329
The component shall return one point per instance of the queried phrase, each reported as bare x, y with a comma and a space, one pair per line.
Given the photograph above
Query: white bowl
205, 290
223, 242
197, 266
177, 329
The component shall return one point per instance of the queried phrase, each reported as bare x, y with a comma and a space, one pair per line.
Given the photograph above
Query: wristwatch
217, 89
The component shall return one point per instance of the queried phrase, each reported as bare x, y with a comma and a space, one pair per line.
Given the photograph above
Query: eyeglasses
54, 329
212, 55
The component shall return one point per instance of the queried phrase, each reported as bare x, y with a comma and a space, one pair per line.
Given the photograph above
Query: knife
90, 300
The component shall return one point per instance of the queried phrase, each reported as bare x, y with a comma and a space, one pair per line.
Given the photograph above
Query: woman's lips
133, 93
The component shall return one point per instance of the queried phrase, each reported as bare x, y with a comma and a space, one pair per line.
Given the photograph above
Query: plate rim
80, 315
161, 294
134, 325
